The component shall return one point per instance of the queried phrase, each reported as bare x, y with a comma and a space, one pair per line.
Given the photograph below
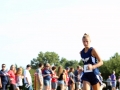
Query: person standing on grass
113, 79
4, 78
19, 78
40, 77
54, 79
28, 78
47, 77
11, 74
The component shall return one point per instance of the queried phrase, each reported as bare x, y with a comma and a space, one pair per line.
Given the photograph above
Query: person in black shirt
61, 78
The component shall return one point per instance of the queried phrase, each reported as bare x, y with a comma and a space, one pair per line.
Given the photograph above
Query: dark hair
40, 64
53, 68
3, 64
67, 68
71, 69
28, 65
78, 66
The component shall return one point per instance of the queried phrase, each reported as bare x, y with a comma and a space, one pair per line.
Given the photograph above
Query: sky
30, 26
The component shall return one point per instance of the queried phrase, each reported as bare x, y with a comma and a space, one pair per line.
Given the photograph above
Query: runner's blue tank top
87, 58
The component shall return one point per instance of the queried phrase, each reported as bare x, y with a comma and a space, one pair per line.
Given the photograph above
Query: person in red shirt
11, 74
67, 77
54, 79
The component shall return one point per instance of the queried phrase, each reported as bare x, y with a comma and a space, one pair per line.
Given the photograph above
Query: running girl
91, 61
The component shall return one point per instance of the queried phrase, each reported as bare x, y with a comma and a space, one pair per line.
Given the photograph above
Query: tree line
53, 58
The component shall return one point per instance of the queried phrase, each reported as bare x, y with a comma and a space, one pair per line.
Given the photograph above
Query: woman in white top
19, 78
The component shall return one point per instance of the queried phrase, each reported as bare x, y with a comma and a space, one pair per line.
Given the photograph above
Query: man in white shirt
27, 78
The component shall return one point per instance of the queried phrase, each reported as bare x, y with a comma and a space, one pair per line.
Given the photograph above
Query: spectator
67, 77
40, 77
19, 78
54, 79
47, 77
11, 73
103, 85
113, 79
71, 79
119, 82
4, 78
101, 78
0, 84
109, 84
61, 78
77, 81
27, 78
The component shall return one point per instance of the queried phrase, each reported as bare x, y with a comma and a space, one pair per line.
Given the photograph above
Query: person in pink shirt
11, 73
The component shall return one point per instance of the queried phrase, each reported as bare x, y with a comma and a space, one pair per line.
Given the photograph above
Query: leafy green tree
34, 63
53, 58
63, 61
47, 57
72, 63
112, 64
115, 64
81, 63
104, 70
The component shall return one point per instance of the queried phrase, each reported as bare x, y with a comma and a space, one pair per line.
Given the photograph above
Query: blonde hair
64, 75
11, 68
47, 64
60, 71
19, 71
86, 36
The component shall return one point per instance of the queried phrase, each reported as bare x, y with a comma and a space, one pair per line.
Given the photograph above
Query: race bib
86, 69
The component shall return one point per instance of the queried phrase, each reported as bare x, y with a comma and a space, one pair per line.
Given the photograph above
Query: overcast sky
30, 26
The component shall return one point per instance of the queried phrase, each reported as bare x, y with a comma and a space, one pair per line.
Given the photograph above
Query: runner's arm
96, 55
